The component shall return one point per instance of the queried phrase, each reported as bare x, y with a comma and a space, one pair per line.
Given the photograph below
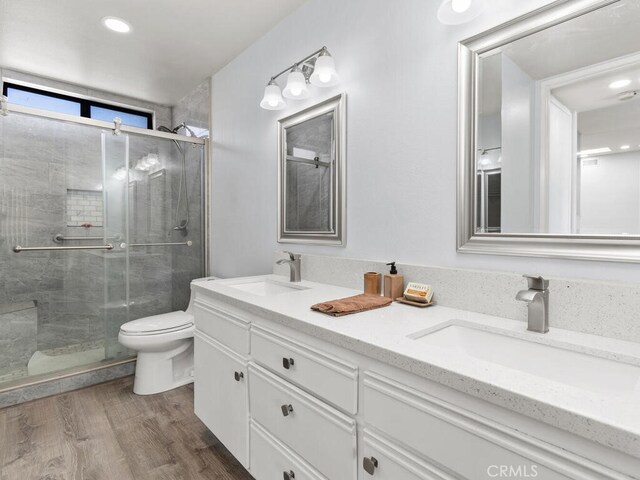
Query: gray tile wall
188, 263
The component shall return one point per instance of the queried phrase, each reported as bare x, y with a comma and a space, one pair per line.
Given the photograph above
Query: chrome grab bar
186, 244
19, 248
59, 238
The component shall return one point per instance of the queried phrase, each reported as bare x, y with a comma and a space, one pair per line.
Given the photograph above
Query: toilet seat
158, 324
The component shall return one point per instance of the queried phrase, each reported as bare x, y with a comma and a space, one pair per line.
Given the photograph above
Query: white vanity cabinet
311, 410
467, 444
328, 377
384, 459
221, 395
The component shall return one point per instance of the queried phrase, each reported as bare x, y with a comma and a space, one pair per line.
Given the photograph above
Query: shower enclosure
99, 225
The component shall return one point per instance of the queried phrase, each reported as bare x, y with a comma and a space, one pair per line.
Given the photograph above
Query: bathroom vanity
403, 393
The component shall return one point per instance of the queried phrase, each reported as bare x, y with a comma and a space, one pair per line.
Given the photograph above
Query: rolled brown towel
355, 304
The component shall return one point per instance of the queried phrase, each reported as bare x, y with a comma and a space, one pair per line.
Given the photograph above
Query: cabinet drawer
469, 445
383, 459
320, 434
224, 327
221, 398
327, 377
272, 460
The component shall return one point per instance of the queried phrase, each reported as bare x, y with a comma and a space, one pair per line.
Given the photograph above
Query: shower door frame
205, 205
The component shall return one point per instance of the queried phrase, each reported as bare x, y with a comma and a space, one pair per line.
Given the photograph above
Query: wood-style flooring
107, 432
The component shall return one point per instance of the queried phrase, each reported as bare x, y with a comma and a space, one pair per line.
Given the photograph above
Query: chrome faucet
537, 299
294, 266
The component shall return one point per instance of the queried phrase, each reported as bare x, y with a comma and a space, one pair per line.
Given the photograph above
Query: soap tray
415, 304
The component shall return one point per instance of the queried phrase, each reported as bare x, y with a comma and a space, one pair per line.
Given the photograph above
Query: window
57, 102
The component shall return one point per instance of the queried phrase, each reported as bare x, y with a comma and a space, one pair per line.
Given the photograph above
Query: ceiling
607, 33
594, 93
173, 46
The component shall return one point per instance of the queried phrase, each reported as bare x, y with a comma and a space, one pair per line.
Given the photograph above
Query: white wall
610, 195
517, 170
398, 65
562, 160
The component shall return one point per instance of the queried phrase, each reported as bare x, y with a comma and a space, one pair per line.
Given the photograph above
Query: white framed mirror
311, 175
549, 134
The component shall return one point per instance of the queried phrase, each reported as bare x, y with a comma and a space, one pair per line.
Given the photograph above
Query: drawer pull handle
286, 410
287, 363
238, 376
369, 465
289, 475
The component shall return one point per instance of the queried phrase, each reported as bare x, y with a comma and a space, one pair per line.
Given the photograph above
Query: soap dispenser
393, 283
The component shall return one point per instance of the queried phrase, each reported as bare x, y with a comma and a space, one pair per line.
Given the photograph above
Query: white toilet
165, 348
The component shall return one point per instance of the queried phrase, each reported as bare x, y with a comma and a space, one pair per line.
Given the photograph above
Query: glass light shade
324, 72
296, 86
272, 99
455, 12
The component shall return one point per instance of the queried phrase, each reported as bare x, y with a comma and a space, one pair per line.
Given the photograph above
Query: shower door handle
188, 243
19, 248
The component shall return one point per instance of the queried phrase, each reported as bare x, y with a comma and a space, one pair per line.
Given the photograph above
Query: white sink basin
569, 367
266, 287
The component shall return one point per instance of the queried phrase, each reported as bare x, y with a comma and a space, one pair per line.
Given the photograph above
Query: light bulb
324, 71
272, 99
460, 6
296, 85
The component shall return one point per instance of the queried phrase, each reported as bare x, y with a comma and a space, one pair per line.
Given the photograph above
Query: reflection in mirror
309, 179
311, 175
557, 146
549, 134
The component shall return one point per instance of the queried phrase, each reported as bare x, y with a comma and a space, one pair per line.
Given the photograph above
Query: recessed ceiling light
620, 83
116, 24
624, 147
460, 6
594, 151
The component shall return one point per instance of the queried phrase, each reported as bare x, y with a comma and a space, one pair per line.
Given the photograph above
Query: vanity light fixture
116, 24
619, 83
318, 69
456, 12
296, 88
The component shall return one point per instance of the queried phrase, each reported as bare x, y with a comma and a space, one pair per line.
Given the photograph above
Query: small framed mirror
311, 175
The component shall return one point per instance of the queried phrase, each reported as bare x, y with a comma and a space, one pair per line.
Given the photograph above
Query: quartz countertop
384, 335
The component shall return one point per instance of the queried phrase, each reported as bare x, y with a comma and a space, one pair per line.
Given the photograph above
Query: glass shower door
55, 203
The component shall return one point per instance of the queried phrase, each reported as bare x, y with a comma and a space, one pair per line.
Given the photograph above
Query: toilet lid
166, 322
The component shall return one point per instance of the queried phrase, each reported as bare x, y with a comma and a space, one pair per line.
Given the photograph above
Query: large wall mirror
311, 180
549, 145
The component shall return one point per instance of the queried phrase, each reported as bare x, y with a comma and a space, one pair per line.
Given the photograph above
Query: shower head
186, 127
